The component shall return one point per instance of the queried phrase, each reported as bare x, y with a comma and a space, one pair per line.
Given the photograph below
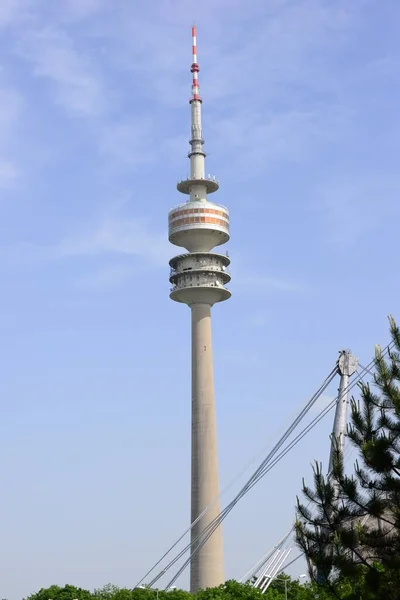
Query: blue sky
302, 128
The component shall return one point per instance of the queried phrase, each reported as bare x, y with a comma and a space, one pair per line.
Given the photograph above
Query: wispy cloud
283, 44
115, 236
107, 277
77, 84
386, 66
283, 105
80, 9
282, 53
259, 140
12, 106
9, 174
260, 281
355, 206
9, 10
283, 47
130, 236
130, 141
111, 237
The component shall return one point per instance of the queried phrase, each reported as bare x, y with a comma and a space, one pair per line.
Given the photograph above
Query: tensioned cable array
261, 562
203, 537
303, 412
225, 489
260, 472
264, 468
347, 452
282, 440
207, 532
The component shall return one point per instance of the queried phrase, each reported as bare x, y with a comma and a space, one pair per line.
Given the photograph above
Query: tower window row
189, 220
192, 211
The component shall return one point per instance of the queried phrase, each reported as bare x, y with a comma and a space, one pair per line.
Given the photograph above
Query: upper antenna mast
195, 67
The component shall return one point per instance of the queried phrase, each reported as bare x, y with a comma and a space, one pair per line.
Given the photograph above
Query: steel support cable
211, 527
314, 422
282, 541
322, 414
217, 522
279, 457
284, 437
366, 369
209, 530
249, 463
262, 561
244, 469
214, 524
311, 425
289, 563
347, 451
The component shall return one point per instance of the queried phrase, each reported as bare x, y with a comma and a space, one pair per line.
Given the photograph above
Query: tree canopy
55, 592
231, 590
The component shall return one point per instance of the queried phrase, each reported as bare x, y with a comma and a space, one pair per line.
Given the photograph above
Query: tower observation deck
198, 278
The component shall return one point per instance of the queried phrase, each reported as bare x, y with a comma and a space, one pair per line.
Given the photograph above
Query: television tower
198, 279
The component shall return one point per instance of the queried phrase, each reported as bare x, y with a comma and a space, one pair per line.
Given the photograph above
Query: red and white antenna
195, 67
196, 152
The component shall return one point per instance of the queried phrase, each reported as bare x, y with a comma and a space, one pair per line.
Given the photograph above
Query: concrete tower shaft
198, 279
207, 565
